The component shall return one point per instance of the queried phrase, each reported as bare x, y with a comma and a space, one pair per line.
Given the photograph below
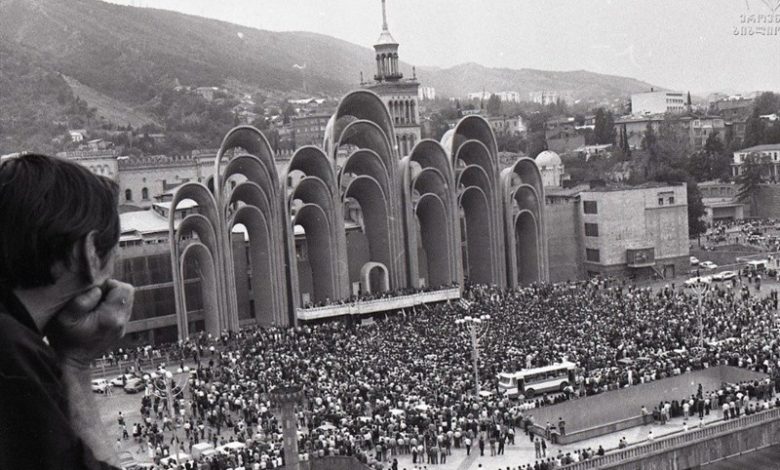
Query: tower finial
384, 17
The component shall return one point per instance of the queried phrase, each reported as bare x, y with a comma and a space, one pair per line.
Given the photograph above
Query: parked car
135, 385
708, 265
724, 276
100, 385
118, 382
694, 261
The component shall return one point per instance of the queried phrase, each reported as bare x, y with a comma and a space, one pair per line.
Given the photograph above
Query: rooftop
761, 148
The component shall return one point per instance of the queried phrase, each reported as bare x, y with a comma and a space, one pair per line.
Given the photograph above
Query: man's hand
91, 323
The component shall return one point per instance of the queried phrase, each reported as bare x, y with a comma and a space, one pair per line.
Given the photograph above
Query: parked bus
529, 382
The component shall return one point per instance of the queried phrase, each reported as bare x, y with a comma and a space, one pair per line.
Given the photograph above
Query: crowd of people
405, 385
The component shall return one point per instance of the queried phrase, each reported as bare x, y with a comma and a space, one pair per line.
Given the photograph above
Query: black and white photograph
389, 234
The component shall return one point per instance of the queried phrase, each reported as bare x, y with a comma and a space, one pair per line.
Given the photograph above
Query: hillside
108, 108
466, 78
123, 62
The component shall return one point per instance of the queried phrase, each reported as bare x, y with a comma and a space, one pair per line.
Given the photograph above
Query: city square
221, 250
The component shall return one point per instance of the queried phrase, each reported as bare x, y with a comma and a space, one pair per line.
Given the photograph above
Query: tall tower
399, 94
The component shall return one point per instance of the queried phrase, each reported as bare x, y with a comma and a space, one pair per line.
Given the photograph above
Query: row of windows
661, 200
144, 194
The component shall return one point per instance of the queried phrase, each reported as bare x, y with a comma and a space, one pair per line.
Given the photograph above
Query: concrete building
617, 231
720, 201
399, 95
658, 102
547, 97
635, 231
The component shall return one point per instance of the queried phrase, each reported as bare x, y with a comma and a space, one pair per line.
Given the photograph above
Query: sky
687, 45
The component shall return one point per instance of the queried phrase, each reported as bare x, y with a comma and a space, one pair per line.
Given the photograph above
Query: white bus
529, 382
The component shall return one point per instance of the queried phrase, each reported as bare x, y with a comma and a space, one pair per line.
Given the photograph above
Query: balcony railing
379, 305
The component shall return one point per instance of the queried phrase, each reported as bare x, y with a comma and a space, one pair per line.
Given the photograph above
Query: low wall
603, 417
694, 448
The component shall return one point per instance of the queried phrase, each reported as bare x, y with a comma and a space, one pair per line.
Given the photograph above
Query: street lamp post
168, 392
475, 329
700, 288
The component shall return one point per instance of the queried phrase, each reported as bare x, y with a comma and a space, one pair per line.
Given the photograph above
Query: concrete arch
209, 288
479, 237
359, 105
527, 248
261, 261
367, 162
205, 224
313, 162
250, 193
430, 180
317, 227
367, 273
471, 127
433, 216
429, 153
200, 226
368, 135
474, 152
374, 206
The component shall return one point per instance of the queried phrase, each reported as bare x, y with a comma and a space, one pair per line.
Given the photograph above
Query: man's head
56, 219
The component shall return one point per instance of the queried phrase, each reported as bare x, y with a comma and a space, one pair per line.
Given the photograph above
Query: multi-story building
658, 102
701, 128
309, 130
426, 93
547, 97
399, 94
730, 109
767, 155
635, 231
507, 124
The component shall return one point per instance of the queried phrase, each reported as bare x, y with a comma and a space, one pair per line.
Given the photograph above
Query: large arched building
355, 217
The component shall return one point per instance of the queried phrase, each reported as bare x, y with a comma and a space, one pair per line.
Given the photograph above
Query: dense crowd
405, 385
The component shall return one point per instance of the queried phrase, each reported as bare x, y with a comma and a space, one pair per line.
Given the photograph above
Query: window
591, 230
671, 200
128, 195
660, 201
592, 255
590, 207
144, 194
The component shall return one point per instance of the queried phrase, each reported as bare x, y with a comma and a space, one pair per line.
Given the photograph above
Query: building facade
658, 102
767, 155
635, 231
548, 97
309, 130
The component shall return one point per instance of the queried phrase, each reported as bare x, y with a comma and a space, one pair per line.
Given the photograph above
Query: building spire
384, 17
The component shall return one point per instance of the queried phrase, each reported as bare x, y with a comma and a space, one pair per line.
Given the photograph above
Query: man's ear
90, 261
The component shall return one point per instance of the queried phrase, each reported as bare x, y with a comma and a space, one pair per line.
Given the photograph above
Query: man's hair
47, 205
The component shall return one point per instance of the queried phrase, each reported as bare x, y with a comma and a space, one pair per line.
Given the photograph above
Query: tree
604, 128
754, 130
766, 103
494, 105
749, 181
696, 225
537, 143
